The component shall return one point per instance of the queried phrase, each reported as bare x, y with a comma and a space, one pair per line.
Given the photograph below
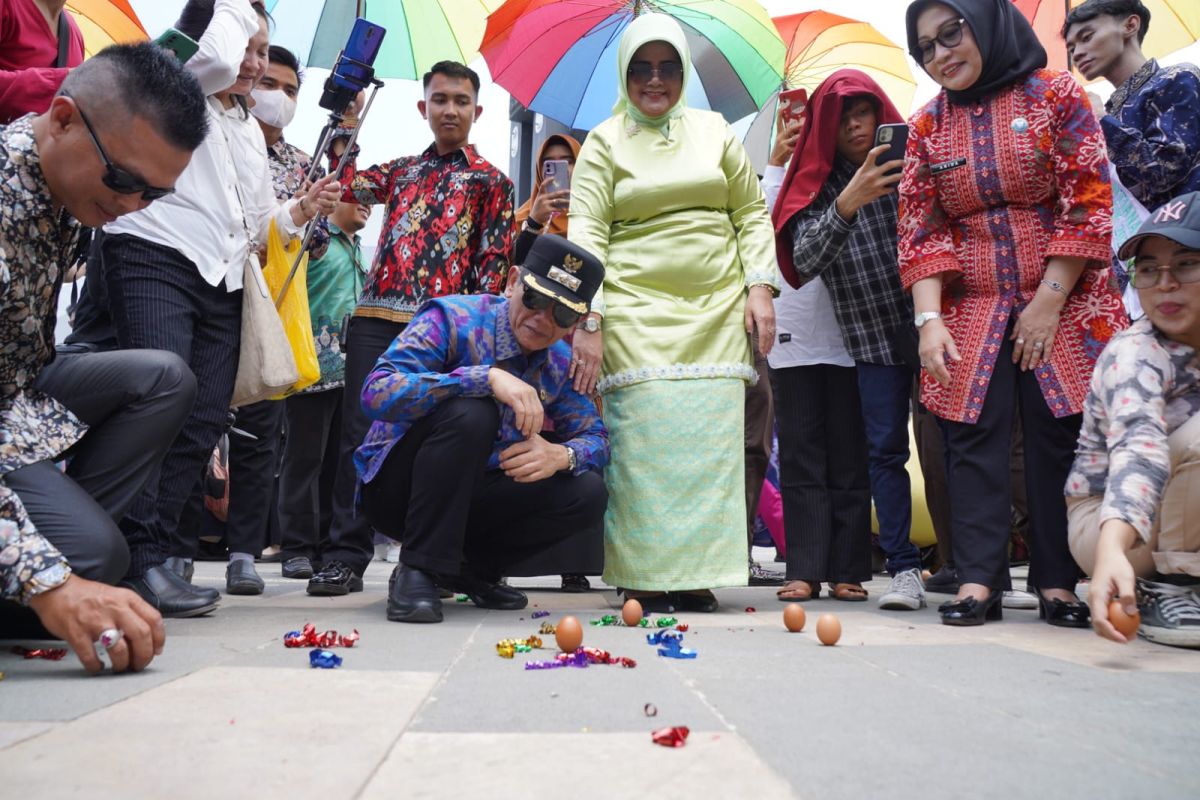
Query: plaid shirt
857, 260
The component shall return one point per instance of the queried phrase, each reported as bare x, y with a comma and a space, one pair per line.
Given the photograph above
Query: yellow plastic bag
293, 311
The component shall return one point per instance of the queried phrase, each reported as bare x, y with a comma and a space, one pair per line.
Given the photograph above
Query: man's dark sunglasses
949, 35
536, 301
667, 71
115, 178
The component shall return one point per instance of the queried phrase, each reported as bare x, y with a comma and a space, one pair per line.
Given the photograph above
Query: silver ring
1039, 345
1020, 340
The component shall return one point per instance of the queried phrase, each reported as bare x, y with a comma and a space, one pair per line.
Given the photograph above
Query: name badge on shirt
946, 166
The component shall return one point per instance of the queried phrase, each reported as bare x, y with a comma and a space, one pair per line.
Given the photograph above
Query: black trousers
253, 460
350, 535
453, 516
310, 463
759, 436
824, 479
158, 300
981, 484
134, 402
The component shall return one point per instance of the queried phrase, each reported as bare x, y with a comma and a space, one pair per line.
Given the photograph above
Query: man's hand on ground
533, 460
80, 610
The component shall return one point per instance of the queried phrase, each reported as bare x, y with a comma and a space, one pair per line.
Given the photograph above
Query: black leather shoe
485, 594
944, 581
242, 578
181, 567
1064, 615
413, 596
970, 611
575, 583
172, 595
297, 567
334, 580
701, 602
657, 603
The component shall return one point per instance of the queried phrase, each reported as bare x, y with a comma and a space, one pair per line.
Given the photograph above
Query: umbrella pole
326, 135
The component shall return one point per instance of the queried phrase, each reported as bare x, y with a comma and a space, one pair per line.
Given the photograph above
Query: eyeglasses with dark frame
667, 71
536, 301
119, 180
1186, 271
949, 35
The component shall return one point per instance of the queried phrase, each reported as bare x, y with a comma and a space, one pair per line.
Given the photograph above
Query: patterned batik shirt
37, 240
447, 351
857, 261
448, 230
1145, 387
289, 166
1153, 132
336, 274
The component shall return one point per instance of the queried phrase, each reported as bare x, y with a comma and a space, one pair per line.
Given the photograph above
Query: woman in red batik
1005, 222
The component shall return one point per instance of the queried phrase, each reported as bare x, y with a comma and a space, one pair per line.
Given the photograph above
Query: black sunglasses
667, 71
119, 180
536, 301
949, 35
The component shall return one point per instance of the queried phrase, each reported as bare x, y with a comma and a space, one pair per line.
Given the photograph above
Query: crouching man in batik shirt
454, 465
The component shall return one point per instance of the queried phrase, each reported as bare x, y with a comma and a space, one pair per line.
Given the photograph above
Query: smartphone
556, 175
182, 45
895, 136
792, 103
361, 49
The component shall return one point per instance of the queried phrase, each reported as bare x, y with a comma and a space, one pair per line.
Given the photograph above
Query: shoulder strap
64, 39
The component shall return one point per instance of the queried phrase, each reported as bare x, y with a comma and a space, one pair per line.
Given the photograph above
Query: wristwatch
926, 316
591, 324
572, 459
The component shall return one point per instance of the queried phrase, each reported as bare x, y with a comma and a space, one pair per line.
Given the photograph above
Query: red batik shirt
448, 230
991, 190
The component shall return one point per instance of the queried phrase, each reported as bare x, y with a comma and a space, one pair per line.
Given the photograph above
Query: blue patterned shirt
1153, 132
447, 351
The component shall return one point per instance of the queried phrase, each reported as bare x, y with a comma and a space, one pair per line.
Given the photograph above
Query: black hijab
1007, 43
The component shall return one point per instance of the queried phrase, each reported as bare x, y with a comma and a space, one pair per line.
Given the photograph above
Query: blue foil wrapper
324, 659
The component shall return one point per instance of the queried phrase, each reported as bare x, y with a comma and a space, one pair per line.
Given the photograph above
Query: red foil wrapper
682, 627
47, 653
308, 637
675, 736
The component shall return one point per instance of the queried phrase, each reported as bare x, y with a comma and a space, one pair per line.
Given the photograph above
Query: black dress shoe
242, 578
1064, 615
944, 581
182, 567
334, 580
575, 583
413, 596
486, 594
172, 595
970, 611
702, 602
297, 567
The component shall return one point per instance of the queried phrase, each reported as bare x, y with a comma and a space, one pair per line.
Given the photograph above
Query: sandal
850, 592
798, 591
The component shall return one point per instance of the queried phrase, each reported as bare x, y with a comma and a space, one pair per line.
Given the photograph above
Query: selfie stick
335, 119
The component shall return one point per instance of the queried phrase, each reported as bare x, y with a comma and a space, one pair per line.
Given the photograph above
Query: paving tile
14, 732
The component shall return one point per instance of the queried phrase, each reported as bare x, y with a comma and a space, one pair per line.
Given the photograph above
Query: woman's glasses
949, 35
119, 180
536, 301
1182, 272
667, 71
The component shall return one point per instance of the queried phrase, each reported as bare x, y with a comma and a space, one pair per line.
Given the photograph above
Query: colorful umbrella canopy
1174, 24
419, 32
105, 22
559, 57
819, 44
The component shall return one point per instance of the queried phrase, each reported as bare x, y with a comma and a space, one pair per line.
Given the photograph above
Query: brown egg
1127, 624
794, 617
631, 612
829, 629
569, 634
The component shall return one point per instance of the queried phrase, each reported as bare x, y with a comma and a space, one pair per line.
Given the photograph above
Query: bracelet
533, 224
1056, 286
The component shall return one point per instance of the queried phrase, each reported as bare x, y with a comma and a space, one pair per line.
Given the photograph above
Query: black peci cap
563, 270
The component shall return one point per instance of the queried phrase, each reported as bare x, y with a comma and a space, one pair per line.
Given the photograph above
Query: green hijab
644, 29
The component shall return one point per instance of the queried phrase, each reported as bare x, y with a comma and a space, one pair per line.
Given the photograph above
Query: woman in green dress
667, 198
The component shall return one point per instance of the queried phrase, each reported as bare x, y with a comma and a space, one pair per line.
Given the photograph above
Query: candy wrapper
662, 637
540, 614
324, 659
682, 627
548, 629
645, 622
308, 637
506, 648
461, 598
581, 659
675, 736
672, 648
47, 653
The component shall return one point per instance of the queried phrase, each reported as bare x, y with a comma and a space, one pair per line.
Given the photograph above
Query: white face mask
273, 107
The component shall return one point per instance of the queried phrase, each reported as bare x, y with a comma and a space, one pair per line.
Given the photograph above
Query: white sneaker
905, 593
1019, 599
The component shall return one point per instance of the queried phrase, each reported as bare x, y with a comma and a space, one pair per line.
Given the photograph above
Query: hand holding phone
792, 103
556, 175
179, 43
895, 137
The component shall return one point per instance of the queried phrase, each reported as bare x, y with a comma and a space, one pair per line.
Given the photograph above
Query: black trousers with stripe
158, 300
823, 475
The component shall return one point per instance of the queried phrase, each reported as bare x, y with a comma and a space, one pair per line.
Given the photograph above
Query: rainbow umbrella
105, 22
819, 44
559, 57
1174, 24
419, 32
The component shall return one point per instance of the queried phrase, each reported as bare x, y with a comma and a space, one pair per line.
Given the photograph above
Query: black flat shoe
575, 584
701, 602
970, 611
658, 603
242, 578
413, 596
944, 581
1064, 615
334, 580
297, 567
171, 594
485, 594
